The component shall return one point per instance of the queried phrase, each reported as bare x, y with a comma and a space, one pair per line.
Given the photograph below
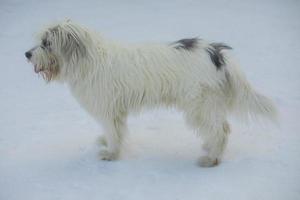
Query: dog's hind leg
215, 140
207, 114
112, 140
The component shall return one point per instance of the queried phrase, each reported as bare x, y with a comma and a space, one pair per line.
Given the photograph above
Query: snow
47, 142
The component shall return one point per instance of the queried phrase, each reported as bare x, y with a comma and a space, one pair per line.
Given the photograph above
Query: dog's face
58, 47
44, 57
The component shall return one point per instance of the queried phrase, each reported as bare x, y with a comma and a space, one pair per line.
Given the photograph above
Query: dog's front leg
112, 139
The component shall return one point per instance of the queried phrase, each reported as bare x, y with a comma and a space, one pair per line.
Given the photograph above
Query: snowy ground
47, 142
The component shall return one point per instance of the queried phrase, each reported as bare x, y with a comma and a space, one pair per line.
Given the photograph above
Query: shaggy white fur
110, 80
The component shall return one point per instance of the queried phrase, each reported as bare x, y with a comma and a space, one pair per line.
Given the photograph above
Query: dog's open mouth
37, 69
45, 73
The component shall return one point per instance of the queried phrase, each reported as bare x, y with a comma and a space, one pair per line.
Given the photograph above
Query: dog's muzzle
28, 55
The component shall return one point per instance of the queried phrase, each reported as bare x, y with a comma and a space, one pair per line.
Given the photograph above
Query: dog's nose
28, 54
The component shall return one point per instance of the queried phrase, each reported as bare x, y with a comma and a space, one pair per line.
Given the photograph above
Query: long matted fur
110, 80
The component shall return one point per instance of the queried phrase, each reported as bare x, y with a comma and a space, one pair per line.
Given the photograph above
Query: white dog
110, 80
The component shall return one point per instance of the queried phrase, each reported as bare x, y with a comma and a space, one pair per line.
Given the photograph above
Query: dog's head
59, 47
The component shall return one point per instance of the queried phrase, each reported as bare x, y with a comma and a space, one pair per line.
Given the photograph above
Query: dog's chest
90, 97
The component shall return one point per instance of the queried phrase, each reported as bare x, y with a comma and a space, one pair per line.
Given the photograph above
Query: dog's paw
105, 154
206, 161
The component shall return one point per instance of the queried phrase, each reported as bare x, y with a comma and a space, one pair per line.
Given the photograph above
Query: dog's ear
76, 44
74, 41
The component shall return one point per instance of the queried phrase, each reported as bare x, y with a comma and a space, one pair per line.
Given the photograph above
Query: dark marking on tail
186, 44
216, 55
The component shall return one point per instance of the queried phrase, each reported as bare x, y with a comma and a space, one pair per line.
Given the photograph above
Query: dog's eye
46, 43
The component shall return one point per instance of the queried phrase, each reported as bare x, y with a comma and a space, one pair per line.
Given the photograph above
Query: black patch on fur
187, 44
215, 53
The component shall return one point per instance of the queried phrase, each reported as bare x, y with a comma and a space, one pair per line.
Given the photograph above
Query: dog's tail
244, 100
